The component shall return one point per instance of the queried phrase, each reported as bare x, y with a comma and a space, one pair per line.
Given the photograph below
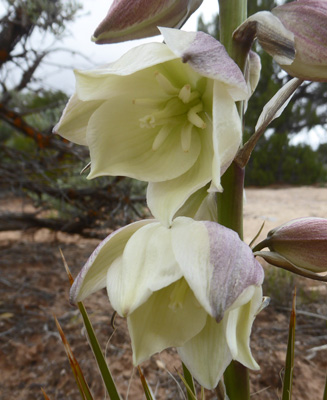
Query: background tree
274, 159
34, 162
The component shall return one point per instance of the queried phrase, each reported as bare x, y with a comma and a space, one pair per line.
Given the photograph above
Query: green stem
236, 380
230, 203
231, 14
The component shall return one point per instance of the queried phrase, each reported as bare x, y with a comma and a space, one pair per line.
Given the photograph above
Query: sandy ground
33, 287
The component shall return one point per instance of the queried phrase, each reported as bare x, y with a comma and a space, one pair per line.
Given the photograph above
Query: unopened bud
128, 20
299, 27
307, 19
301, 242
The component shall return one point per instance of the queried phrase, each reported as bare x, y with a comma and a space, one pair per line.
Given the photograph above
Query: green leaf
325, 391
102, 364
78, 374
147, 390
189, 380
289, 364
46, 397
93, 341
190, 393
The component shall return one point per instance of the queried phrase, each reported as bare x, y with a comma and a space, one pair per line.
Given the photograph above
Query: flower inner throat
181, 111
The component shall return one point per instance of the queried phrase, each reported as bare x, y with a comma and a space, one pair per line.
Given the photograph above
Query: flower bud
301, 242
307, 19
294, 34
127, 20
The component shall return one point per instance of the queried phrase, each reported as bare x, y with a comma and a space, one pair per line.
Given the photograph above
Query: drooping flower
195, 286
300, 243
163, 113
295, 34
127, 20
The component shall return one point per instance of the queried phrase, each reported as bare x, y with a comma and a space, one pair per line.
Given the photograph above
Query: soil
34, 287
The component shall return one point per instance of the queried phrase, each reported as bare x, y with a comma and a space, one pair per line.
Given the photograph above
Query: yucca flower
162, 113
195, 286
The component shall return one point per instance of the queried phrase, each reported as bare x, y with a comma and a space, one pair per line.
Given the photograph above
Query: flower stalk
230, 202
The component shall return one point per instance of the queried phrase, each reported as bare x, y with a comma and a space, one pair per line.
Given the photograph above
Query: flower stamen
194, 118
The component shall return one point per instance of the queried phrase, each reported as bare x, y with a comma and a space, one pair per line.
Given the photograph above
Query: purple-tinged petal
272, 35
208, 57
216, 263
93, 276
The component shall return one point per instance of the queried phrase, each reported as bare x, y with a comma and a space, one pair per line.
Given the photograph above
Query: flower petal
156, 325
147, 265
92, 276
217, 265
164, 207
227, 133
272, 35
207, 354
119, 146
135, 60
201, 206
208, 57
73, 122
238, 325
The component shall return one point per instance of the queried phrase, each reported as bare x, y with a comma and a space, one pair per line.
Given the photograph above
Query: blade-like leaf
147, 390
78, 374
325, 391
189, 380
190, 393
289, 364
46, 397
93, 341
102, 364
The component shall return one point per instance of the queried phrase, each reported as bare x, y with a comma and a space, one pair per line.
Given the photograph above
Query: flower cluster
166, 113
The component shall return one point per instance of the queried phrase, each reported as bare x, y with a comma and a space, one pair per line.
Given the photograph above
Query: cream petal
136, 59
164, 207
73, 122
93, 275
227, 133
207, 354
119, 146
155, 325
191, 247
109, 81
238, 324
201, 206
147, 265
